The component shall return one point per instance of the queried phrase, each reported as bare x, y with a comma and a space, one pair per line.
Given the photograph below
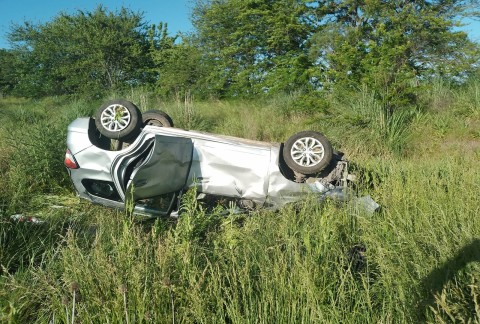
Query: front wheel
118, 119
307, 152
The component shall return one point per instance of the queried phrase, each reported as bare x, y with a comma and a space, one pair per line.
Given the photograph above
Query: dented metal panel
229, 169
280, 189
163, 160
165, 169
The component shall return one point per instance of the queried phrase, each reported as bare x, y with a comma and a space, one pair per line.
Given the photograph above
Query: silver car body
164, 160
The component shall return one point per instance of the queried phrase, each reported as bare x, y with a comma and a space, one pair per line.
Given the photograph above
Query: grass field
88, 264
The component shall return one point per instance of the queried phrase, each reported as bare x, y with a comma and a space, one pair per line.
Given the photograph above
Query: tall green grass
268, 267
33, 147
91, 264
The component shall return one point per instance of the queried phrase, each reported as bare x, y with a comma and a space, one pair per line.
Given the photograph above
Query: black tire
307, 152
156, 118
118, 119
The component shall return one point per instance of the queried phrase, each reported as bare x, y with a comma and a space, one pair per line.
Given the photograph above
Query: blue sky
174, 12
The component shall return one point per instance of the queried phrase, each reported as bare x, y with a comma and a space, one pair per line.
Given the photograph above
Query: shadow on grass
434, 282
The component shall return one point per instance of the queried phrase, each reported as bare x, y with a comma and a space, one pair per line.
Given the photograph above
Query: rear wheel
307, 152
156, 118
118, 119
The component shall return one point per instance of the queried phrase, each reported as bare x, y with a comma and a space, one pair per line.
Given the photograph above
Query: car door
163, 171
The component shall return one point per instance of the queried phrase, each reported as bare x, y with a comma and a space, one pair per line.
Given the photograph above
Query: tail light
70, 160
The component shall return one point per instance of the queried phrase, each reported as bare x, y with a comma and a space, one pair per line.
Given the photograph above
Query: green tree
391, 45
85, 52
253, 46
178, 64
7, 72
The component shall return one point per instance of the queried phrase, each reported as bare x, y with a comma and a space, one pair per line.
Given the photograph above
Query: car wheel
118, 119
307, 152
156, 118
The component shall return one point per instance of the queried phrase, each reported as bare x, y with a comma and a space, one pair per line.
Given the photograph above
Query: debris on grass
26, 219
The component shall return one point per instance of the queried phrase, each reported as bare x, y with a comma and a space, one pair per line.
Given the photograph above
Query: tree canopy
247, 48
388, 44
84, 52
257, 46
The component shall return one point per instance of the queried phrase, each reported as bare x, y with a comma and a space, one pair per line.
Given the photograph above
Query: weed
92, 264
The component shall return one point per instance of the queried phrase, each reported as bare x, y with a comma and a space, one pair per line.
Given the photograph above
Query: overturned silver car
153, 163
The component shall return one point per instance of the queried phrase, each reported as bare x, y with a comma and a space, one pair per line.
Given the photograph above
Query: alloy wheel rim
307, 151
115, 118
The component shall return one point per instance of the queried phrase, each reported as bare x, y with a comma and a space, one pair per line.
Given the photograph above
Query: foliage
32, 150
88, 52
247, 49
261, 46
390, 46
7, 72
253, 46
290, 265
92, 264
177, 64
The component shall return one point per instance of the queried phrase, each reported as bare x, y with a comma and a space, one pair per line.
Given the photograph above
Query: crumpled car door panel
227, 169
164, 170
